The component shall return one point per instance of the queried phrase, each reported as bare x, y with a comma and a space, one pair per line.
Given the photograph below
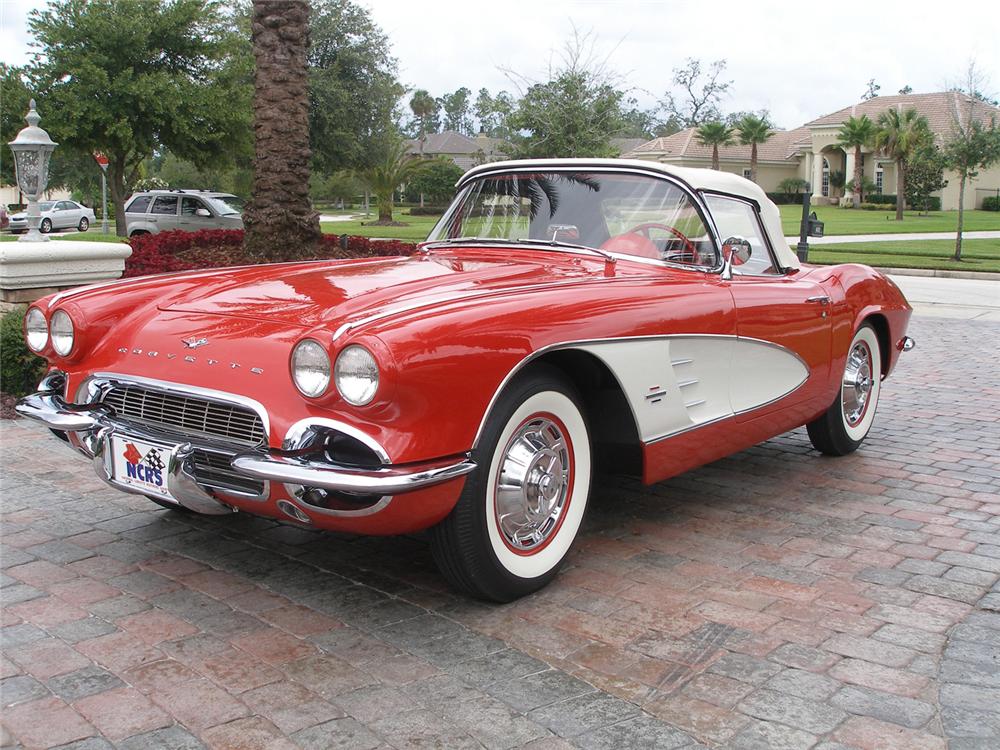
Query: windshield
629, 214
225, 205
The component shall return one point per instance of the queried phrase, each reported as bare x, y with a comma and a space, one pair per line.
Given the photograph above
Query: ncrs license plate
141, 465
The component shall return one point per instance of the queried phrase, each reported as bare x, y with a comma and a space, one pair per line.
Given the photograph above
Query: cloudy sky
798, 60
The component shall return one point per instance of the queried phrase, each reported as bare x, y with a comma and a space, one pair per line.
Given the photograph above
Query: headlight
61, 331
36, 330
357, 375
310, 368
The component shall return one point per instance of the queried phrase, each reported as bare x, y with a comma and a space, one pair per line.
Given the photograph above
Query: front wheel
520, 511
46, 226
844, 426
84, 224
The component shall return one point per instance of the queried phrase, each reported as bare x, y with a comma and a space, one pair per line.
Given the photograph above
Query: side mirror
735, 252
203, 212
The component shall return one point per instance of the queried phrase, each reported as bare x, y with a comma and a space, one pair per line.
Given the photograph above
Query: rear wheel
84, 224
844, 426
520, 511
46, 226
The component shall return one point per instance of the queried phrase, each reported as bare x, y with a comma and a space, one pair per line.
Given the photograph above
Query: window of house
737, 218
748, 174
879, 178
165, 204
826, 177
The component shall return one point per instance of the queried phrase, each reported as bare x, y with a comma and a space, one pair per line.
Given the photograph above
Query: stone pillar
848, 169
30, 270
817, 175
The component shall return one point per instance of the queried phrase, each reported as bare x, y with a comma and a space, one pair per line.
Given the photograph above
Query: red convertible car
562, 314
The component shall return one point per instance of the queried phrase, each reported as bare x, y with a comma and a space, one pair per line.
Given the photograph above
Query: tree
907, 89
856, 133
752, 131
129, 77
457, 111
436, 181
393, 168
280, 221
354, 92
494, 112
424, 107
897, 136
792, 186
575, 112
974, 142
701, 91
872, 92
714, 134
16, 96
924, 175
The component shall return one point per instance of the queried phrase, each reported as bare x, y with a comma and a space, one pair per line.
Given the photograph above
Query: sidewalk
912, 236
965, 299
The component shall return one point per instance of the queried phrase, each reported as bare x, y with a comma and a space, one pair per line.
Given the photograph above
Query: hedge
992, 203
218, 248
20, 368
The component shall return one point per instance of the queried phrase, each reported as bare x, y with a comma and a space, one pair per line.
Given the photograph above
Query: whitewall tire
521, 510
845, 425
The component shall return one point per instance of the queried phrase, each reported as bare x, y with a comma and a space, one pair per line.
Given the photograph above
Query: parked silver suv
154, 211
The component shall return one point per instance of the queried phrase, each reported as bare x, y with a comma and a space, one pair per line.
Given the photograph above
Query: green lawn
848, 221
91, 236
977, 255
417, 229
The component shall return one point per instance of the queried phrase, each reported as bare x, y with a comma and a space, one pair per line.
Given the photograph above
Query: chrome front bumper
90, 427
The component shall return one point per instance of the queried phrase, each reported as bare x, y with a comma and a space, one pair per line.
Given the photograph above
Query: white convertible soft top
699, 179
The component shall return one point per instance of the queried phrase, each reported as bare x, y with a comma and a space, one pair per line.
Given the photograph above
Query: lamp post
32, 150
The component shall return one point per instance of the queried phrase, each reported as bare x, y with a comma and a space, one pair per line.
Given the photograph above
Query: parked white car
56, 215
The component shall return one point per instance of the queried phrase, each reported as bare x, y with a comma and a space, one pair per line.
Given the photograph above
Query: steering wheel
689, 248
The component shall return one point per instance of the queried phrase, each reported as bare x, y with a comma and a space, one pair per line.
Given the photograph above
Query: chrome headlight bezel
311, 368
62, 333
36, 329
356, 375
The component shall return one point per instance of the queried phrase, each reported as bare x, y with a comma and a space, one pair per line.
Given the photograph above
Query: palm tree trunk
753, 162
421, 156
961, 217
280, 221
859, 177
900, 188
715, 156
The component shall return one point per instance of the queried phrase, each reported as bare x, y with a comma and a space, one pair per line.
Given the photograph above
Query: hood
318, 293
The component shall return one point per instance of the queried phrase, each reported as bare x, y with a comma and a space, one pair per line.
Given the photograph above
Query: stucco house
810, 152
464, 151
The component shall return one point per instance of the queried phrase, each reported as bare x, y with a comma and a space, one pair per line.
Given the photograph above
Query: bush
878, 206
20, 368
880, 198
785, 199
427, 211
992, 203
218, 248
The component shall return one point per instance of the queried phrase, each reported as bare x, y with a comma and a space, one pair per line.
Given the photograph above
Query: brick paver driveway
776, 599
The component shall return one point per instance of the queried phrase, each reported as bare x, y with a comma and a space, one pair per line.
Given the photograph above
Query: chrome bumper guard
91, 426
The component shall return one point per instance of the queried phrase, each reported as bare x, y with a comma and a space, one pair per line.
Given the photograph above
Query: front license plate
141, 465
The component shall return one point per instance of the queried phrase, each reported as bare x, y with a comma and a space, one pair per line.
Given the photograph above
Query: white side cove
676, 383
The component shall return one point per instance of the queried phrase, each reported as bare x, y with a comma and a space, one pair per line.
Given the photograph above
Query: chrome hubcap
858, 383
532, 488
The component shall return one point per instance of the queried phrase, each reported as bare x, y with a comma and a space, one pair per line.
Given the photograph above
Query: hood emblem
194, 342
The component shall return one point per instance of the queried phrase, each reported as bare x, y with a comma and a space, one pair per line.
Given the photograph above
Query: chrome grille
188, 416
213, 471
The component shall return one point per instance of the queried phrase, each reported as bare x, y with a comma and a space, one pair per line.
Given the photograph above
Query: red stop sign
101, 160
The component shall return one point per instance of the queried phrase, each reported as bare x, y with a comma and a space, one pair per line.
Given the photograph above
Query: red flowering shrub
219, 248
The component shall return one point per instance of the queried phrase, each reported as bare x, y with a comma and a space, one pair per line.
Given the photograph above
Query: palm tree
280, 221
857, 133
898, 135
753, 130
714, 134
423, 105
393, 169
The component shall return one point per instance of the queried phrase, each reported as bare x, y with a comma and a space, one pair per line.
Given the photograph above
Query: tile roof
452, 142
782, 146
940, 108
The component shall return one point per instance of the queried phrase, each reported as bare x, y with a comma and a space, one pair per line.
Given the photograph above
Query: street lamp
32, 150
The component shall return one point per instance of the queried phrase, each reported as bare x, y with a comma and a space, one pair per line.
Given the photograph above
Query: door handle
820, 299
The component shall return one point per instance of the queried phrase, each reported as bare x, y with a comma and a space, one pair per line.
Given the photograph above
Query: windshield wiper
573, 246
518, 241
